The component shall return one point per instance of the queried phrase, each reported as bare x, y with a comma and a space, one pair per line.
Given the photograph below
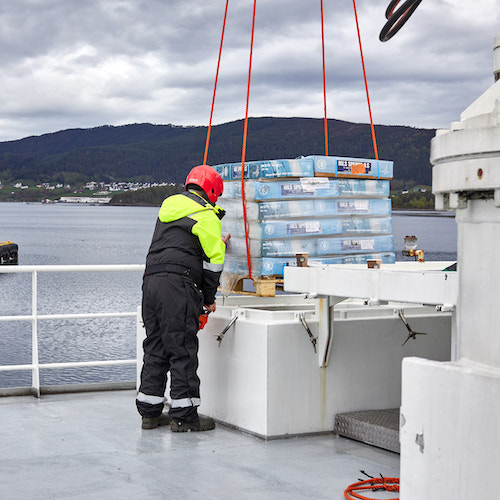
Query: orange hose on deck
375, 484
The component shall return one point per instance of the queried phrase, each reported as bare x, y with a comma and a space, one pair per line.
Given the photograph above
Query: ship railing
35, 366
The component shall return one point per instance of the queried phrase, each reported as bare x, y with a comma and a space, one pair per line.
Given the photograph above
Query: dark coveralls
182, 274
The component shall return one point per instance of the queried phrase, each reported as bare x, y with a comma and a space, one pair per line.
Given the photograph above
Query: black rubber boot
154, 422
204, 424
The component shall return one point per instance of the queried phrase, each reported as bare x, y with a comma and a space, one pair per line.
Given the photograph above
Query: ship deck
91, 445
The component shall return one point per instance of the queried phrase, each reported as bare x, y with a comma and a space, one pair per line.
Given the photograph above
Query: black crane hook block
396, 18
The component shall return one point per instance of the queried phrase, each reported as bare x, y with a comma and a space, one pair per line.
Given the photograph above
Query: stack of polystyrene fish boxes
337, 210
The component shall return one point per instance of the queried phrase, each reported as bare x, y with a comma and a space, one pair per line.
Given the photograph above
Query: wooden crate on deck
265, 286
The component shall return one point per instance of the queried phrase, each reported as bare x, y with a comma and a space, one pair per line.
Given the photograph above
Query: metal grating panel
376, 427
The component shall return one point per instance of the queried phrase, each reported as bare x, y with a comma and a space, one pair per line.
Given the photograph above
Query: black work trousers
171, 306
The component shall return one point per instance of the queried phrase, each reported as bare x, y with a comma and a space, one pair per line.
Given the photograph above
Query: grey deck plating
86, 446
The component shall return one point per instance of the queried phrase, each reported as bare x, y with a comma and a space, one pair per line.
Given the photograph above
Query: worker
183, 268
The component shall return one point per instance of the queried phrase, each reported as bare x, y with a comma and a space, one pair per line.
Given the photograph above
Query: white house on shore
84, 199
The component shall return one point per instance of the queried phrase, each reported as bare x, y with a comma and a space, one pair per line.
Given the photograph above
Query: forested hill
147, 152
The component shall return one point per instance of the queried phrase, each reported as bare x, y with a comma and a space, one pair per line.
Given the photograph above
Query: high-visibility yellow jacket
188, 235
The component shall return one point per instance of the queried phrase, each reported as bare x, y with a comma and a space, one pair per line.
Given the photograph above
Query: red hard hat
208, 179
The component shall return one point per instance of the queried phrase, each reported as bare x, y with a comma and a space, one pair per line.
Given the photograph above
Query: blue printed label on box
354, 167
294, 190
354, 206
355, 245
297, 228
236, 172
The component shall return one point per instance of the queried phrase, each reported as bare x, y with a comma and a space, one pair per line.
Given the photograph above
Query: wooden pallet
265, 286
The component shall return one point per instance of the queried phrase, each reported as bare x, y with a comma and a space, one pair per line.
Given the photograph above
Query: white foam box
385, 258
316, 207
267, 169
293, 228
306, 187
272, 248
273, 266
367, 225
314, 246
363, 187
286, 228
355, 244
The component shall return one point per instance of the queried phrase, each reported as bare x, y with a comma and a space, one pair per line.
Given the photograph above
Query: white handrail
72, 268
34, 317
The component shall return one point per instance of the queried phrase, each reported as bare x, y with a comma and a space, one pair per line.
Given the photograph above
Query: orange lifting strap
244, 148
215, 86
375, 151
245, 128
324, 77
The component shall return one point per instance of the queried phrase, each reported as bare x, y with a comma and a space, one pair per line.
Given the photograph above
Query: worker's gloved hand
210, 308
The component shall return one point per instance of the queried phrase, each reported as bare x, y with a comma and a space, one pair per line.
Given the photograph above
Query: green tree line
155, 153
413, 200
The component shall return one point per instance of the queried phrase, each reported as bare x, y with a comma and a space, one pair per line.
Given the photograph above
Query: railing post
35, 370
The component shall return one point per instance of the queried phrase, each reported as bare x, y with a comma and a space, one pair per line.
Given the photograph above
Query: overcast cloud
85, 63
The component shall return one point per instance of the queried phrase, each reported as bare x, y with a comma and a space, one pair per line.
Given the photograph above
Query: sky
86, 63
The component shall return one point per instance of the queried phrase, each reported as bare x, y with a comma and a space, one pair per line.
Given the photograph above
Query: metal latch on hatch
411, 333
220, 336
312, 338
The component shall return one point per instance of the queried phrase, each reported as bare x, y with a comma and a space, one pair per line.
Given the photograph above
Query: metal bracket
312, 338
411, 333
445, 308
220, 336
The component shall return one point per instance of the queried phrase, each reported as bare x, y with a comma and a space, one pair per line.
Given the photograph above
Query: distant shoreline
422, 212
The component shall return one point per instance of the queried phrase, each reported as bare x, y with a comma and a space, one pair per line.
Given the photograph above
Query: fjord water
69, 234
82, 234
436, 233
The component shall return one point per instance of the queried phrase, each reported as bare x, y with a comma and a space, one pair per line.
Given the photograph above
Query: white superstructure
450, 434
